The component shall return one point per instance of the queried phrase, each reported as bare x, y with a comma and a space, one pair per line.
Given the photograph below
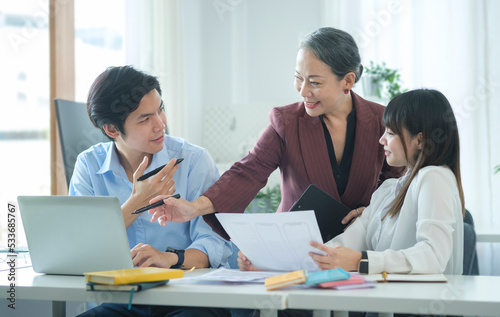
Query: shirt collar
112, 162
401, 181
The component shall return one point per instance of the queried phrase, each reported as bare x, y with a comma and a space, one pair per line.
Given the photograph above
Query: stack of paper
235, 276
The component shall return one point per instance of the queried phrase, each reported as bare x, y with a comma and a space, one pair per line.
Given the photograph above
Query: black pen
153, 205
156, 170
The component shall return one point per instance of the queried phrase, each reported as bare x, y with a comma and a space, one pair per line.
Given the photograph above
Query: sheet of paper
226, 275
275, 241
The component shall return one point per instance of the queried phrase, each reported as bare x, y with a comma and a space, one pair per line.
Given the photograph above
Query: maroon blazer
295, 143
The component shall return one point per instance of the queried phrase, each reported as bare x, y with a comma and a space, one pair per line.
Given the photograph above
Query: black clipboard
329, 211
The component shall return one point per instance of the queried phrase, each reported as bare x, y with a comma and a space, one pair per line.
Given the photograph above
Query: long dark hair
428, 112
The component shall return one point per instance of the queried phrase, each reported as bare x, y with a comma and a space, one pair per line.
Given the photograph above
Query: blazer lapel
366, 147
315, 154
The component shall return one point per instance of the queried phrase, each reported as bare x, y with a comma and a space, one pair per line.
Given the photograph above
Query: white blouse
425, 237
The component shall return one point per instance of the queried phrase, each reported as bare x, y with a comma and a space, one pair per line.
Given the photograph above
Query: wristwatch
180, 254
363, 263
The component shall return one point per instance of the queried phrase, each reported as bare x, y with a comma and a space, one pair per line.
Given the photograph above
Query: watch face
363, 266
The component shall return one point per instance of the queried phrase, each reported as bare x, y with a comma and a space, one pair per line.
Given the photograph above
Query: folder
138, 275
329, 212
136, 287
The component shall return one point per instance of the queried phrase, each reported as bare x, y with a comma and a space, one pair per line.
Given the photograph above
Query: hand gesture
352, 215
174, 210
159, 184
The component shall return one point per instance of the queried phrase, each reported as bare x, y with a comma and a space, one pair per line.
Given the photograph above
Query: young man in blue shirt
126, 105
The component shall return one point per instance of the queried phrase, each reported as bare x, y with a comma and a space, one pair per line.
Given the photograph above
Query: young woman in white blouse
413, 224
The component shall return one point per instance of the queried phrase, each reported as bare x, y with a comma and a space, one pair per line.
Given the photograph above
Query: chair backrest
76, 132
471, 266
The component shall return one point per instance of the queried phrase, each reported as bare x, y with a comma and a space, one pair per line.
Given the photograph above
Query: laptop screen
75, 234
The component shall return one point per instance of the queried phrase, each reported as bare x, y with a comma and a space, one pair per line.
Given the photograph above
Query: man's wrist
172, 258
180, 257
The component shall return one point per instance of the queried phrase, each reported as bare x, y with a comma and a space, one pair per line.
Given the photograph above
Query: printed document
275, 241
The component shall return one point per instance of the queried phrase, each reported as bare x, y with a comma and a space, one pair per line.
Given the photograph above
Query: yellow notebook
287, 279
138, 275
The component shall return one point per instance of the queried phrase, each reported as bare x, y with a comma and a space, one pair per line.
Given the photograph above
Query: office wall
239, 61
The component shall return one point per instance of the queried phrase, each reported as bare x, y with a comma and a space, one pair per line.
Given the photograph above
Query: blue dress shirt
98, 172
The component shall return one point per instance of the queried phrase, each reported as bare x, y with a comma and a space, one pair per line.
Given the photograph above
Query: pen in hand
156, 170
153, 205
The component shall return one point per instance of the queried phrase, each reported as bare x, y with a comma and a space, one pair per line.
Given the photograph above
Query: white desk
59, 289
462, 295
487, 235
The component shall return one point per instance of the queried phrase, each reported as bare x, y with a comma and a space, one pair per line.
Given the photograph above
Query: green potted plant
497, 169
381, 82
266, 201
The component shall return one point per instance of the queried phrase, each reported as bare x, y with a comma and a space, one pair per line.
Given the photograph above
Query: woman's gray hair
335, 48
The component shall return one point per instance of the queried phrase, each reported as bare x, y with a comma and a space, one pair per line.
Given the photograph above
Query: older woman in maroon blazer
329, 139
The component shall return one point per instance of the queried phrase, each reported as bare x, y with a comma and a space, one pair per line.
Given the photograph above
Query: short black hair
116, 93
335, 48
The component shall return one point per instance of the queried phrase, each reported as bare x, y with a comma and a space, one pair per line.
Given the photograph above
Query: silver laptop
75, 234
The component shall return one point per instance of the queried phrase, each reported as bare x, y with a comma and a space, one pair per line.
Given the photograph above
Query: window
24, 123
25, 119
99, 41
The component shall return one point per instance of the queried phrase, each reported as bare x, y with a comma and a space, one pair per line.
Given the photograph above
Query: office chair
76, 132
471, 266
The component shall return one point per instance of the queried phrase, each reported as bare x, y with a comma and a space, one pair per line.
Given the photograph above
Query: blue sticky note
326, 276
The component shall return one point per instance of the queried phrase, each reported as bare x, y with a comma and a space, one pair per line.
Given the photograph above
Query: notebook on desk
75, 234
329, 212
